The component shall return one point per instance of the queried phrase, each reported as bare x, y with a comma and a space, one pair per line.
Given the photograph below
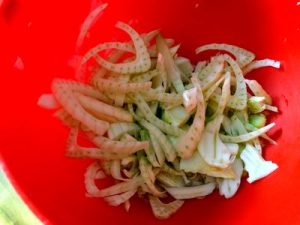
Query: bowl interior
32, 141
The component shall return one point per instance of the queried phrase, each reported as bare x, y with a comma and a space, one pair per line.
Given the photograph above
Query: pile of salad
161, 126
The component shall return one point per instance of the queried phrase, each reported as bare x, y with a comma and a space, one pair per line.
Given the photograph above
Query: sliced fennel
212, 149
162, 127
228, 187
176, 116
255, 165
190, 99
196, 164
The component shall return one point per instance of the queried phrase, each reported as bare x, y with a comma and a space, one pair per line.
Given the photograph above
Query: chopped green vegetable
256, 104
258, 120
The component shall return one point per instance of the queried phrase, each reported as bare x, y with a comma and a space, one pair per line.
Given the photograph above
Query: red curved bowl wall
32, 142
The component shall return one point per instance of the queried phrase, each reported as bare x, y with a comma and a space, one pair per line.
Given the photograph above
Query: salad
161, 126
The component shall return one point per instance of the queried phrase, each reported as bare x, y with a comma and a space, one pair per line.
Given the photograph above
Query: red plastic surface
43, 34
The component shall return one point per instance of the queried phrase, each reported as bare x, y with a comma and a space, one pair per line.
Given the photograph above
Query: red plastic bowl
43, 34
